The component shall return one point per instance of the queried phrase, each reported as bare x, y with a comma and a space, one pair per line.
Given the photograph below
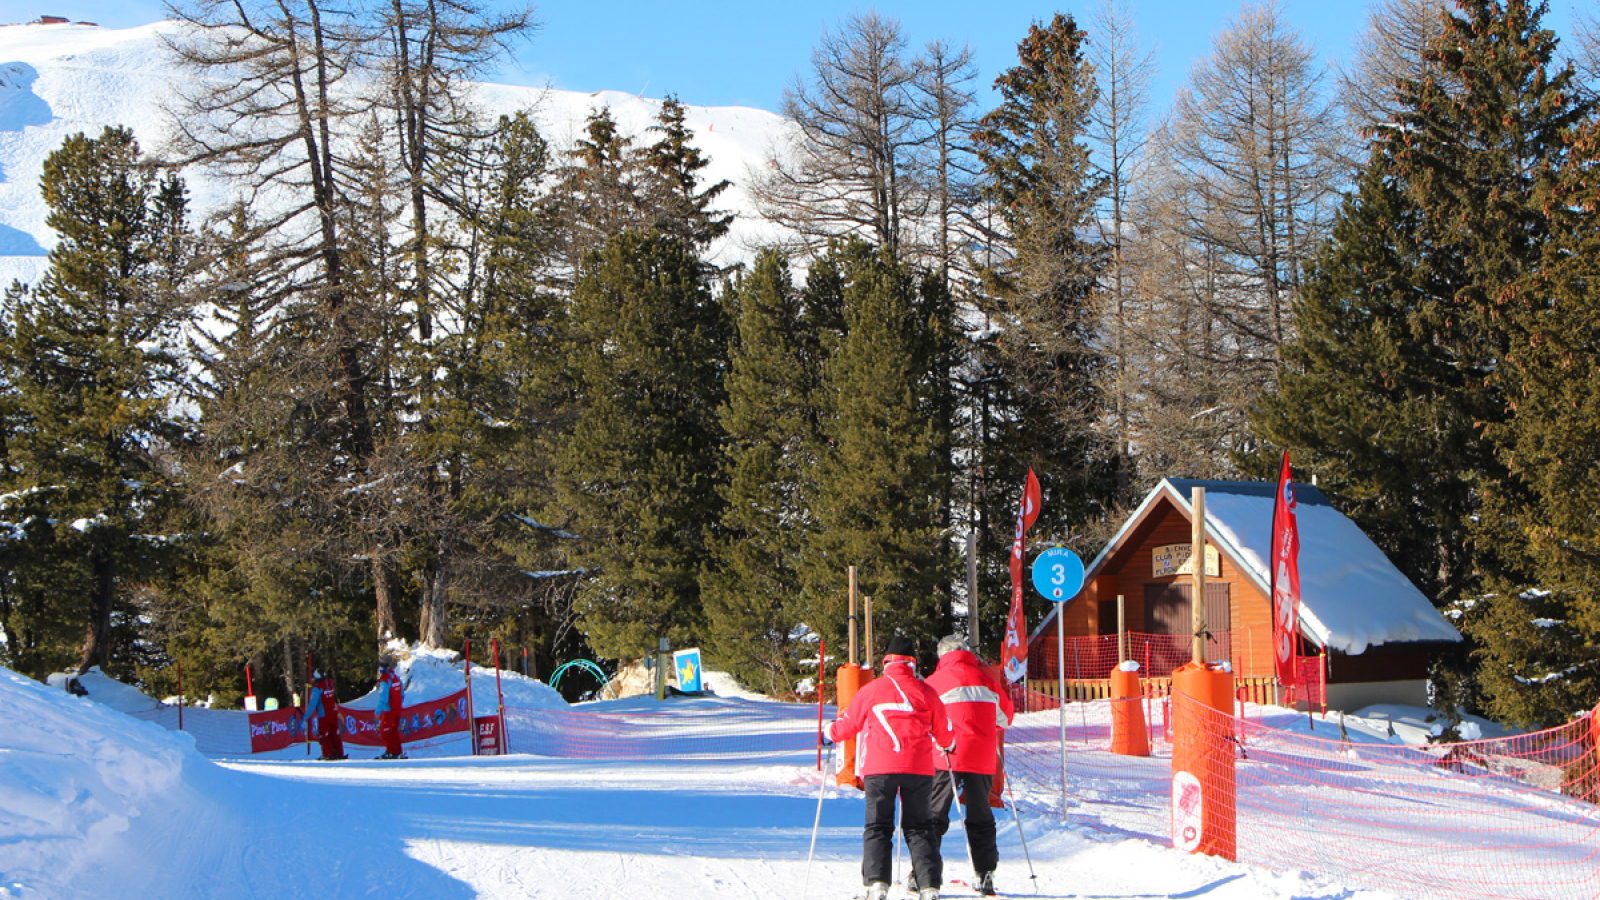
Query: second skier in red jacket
979, 707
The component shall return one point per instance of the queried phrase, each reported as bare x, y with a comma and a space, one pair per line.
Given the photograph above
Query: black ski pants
978, 814
915, 793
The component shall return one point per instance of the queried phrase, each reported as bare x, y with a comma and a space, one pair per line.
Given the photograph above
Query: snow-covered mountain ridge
61, 79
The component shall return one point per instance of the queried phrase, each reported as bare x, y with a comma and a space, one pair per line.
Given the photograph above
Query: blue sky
743, 52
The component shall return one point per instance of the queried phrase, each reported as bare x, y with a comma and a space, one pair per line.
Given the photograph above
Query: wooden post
1197, 563
1122, 632
866, 653
853, 656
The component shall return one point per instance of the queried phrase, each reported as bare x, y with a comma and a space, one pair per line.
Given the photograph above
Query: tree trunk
434, 619
97, 641
388, 622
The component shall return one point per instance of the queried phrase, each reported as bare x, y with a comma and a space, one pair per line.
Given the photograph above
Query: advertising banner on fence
433, 718
275, 729
488, 732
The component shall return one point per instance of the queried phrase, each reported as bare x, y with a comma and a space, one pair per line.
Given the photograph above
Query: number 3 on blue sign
1058, 574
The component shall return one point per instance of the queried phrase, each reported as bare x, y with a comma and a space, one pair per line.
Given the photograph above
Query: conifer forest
434, 376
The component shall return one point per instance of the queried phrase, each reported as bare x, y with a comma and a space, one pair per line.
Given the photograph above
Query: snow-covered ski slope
96, 804
713, 797
60, 80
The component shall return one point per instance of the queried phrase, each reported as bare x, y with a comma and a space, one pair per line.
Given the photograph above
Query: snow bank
429, 674
73, 774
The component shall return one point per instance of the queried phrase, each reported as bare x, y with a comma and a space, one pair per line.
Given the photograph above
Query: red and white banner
1014, 652
282, 728
276, 729
447, 715
1285, 579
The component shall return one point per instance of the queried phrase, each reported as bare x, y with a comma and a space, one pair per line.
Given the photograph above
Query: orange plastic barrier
1129, 736
847, 681
1204, 790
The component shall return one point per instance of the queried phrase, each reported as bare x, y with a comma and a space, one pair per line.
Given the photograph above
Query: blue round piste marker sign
1058, 574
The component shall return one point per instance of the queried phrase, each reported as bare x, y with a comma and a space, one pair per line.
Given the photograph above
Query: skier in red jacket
979, 707
391, 697
323, 709
900, 720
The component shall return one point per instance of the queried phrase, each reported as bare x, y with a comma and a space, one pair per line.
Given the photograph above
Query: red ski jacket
978, 706
323, 701
899, 719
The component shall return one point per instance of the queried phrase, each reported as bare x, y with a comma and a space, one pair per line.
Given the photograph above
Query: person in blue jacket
391, 698
323, 710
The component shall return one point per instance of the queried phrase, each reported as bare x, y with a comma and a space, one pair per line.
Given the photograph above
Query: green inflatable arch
586, 666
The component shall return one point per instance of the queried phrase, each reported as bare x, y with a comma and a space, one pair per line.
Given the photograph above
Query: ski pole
821, 793
955, 802
1021, 836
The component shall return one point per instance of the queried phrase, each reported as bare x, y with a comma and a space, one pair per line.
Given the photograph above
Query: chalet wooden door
1167, 612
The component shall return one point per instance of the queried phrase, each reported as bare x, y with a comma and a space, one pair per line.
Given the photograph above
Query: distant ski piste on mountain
61, 79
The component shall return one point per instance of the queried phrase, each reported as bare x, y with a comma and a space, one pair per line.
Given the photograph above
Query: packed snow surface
95, 803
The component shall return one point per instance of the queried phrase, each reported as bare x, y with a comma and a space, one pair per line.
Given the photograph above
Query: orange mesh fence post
1128, 734
846, 682
1204, 790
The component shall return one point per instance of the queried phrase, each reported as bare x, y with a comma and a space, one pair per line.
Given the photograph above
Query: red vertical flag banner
1285, 579
1014, 652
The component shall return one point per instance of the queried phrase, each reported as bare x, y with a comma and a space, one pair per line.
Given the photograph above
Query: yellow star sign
686, 672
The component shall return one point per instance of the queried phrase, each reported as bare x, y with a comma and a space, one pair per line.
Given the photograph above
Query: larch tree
849, 169
283, 123
1119, 131
1251, 188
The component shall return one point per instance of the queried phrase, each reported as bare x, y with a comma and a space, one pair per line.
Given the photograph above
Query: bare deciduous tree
944, 101
1246, 197
849, 167
1389, 51
1119, 131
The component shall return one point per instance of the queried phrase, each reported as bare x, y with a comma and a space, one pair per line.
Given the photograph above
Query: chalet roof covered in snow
1351, 596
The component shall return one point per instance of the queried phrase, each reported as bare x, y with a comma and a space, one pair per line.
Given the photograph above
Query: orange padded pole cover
847, 681
1204, 801
1129, 736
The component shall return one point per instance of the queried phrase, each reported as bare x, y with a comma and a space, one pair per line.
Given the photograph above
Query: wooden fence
1248, 690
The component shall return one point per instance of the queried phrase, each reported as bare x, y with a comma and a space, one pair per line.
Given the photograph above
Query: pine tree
1538, 629
877, 485
91, 371
771, 438
1399, 389
636, 476
597, 195
672, 167
1041, 406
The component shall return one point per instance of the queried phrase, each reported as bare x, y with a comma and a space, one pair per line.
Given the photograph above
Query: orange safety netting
1092, 658
1511, 817
740, 730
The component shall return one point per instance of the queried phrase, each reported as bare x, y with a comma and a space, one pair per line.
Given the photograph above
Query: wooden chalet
1366, 631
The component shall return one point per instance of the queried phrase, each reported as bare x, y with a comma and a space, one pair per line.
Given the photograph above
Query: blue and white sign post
1058, 577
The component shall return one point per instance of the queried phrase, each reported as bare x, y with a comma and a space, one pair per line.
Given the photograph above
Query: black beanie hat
900, 645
